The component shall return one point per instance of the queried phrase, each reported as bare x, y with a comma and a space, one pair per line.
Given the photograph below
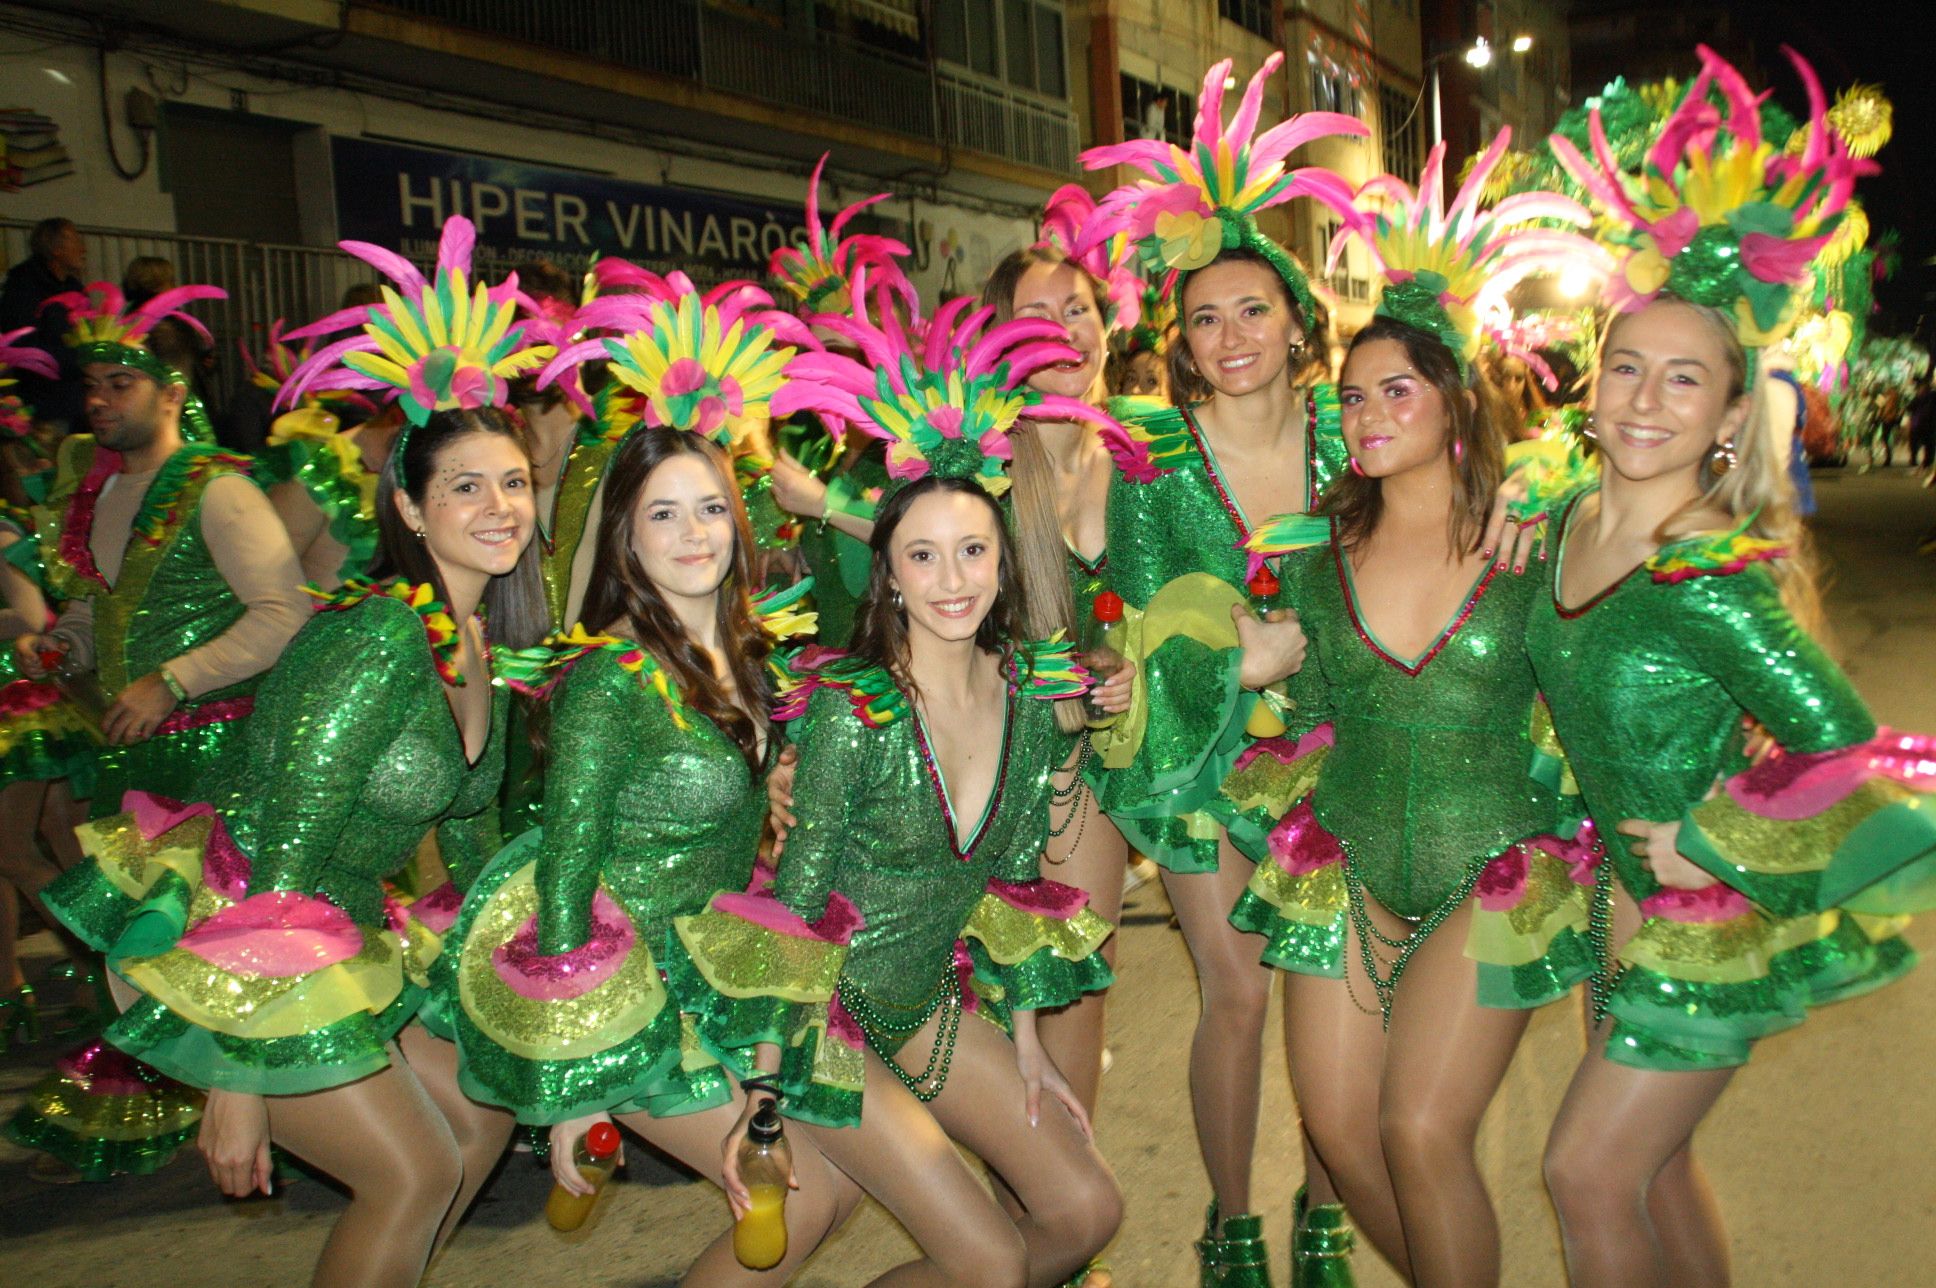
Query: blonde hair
1040, 563
1756, 488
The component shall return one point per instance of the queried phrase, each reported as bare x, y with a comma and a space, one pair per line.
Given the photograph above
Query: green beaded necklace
877, 1028
1387, 986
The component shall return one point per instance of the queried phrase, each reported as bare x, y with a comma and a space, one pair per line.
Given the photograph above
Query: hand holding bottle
584, 1154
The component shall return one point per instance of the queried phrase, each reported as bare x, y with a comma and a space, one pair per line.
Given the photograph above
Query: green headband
1240, 232
1415, 303
195, 424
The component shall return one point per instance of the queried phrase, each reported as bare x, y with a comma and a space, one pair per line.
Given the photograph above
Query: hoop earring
1356, 468
1592, 427
1723, 459
899, 605
1458, 451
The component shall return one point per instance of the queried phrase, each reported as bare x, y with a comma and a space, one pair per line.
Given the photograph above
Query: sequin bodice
874, 827
1429, 772
1649, 682
352, 755
665, 816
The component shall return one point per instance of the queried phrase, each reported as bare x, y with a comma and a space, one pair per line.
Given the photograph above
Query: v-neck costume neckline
1460, 616
939, 783
1559, 568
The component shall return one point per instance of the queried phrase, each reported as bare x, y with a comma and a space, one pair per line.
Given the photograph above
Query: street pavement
1820, 1151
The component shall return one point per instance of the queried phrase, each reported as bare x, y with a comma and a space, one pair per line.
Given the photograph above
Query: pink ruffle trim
225, 868
23, 697
965, 975
1502, 883
209, 713
278, 934
1286, 751
557, 977
835, 926
1041, 897
1301, 845
1715, 903
1790, 787
102, 1070
437, 910
844, 1027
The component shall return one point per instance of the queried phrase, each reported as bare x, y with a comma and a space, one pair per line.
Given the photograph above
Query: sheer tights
902, 1154
1401, 1144
1635, 1208
1092, 856
1227, 1052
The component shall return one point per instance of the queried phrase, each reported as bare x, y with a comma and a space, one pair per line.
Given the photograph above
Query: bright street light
1521, 44
1480, 55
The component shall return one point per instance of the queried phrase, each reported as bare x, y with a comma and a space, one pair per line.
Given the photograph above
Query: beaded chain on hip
877, 1028
1072, 797
1387, 986
1599, 935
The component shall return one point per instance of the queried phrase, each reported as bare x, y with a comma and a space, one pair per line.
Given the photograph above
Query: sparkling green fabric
1186, 521
352, 755
1649, 683
333, 490
663, 819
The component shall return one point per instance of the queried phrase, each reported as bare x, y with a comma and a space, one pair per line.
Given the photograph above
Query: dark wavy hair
880, 626
1356, 503
1186, 383
621, 596
514, 603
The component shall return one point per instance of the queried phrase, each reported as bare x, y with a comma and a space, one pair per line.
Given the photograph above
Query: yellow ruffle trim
1274, 785
1735, 951
1011, 934
260, 1007
1781, 847
133, 863
1195, 605
59, 719
1315, 898
1525, 932
741, 959
557, 1029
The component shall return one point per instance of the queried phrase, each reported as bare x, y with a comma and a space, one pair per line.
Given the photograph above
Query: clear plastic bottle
765, 1163
596, 1156
1100, 656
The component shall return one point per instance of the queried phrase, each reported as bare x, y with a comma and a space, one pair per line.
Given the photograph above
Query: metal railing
264, 282
810, 71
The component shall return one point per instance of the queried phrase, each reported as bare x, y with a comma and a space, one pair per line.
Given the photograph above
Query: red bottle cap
51, 658
1264, 583
602, 1140
1108, 607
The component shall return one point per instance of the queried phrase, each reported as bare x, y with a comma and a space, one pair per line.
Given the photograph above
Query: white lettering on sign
572, 222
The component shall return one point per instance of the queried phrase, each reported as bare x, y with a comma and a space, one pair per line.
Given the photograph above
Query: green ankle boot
1321, 1243
1235, 1258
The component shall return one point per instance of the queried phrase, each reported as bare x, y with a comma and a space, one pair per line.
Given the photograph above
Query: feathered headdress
820, 274
1717, 214
560, 323
1111, 261
946, 403
707, 363
1436, 259
433, 345
16, 419
105, 329
279, 360
1204, 200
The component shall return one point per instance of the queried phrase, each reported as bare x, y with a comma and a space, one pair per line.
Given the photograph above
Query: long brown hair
621, 596
880, 625
1187, 384
1356, 503
1037, 538
513, 604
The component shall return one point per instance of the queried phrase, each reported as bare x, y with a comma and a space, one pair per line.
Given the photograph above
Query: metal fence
300, 283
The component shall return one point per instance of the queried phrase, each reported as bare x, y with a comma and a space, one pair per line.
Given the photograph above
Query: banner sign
399, 197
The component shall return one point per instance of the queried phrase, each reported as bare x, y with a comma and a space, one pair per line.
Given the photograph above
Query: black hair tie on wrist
766, 1084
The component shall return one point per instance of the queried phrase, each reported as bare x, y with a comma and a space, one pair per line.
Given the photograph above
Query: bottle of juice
1100, 656
765, 1162
1264, 721
595, 1155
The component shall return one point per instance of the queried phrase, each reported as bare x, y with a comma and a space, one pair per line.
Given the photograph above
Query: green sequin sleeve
837, 755
336, 699
595, 732
1742, 635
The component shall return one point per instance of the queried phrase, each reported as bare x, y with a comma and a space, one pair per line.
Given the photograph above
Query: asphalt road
1821, 1151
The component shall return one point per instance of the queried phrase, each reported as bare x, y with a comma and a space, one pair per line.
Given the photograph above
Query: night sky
1875, 43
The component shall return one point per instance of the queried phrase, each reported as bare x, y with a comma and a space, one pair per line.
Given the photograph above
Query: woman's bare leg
822, 1204
1092, 856
1445, 1056
1334, 1038
60, 814
481, 1131
384, 1138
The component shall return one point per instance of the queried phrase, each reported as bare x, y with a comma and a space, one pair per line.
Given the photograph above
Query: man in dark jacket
56, 263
